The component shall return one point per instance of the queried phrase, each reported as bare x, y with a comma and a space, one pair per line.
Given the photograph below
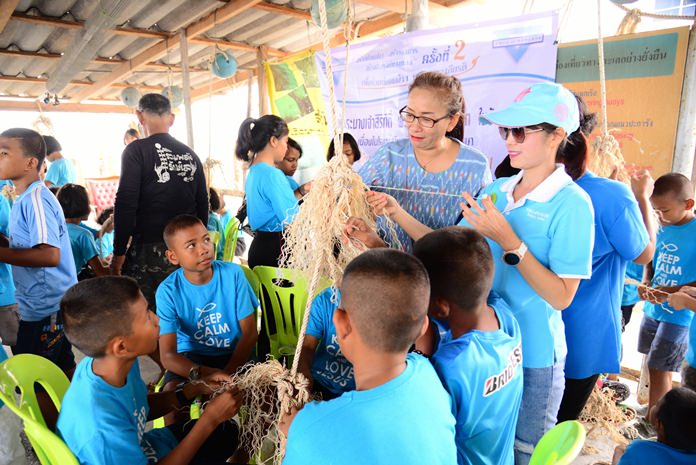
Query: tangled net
607, 160
654, 295
602, 412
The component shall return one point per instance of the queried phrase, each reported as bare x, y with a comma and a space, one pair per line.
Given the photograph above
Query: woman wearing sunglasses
433, 159
539, 225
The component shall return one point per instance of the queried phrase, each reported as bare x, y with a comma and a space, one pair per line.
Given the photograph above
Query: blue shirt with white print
556, 221
106, 425
329, 367
37, 218
593, 319
482, 371
206, 317
394, 165
674, 263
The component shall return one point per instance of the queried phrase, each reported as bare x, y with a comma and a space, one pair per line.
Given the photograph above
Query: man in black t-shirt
160, 179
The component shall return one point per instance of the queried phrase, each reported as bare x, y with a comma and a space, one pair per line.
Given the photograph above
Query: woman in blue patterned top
433, 159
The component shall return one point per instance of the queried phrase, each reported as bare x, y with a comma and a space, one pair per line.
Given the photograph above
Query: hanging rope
655, 15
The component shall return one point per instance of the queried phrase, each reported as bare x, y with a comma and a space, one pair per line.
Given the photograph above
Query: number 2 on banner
460, 44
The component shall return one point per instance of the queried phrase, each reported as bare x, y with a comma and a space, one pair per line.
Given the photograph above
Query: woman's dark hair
214, 200
350, 140
449, 88
74, 200
292, 143
254, 135
505, 169
574, 153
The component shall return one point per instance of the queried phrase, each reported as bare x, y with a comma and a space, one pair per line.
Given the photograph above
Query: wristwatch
180, 396
513, 257
194, 373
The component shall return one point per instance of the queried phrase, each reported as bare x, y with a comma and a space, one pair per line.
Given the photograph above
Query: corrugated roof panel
188, 13
239, 21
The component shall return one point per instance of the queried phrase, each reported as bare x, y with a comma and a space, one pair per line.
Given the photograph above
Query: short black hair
676, 413
214, 200
74, 200
133, 133
97, 310
54, 190
295, 145
52, 145
386, 292
33, 144
155, 104
104, 215
674, 184
178, 223
350, 140
459, 263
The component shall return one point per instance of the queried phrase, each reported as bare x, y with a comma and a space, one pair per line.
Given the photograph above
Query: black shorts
213, 361
47, 339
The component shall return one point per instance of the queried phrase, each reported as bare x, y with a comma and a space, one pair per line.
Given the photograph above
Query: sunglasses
518, 134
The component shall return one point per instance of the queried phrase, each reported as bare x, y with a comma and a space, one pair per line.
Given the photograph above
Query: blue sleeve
281, 197
53, 173
572, 239
4, 216
293, 184
322, 307
374, 170
88, 246
42, 225
245, 300
166, 310
628, 234
632, 455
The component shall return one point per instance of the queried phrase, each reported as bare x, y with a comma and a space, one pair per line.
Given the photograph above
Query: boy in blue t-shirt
479, 359
399, 411
105, 410
42, 262
61, 170
206, 307
673, 417
664, 332
322, 362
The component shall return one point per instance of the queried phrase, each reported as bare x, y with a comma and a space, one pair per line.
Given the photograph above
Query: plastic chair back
21, 372
252, 278
102, 192
560, 445
49, 448
285, 291
231, 236
215, 237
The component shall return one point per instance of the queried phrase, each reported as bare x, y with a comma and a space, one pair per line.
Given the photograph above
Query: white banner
494, 61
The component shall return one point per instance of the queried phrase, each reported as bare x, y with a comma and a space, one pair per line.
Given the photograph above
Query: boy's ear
690, 204
116, 347
439, 308
343, 325
171, 256
424, 327
32, 164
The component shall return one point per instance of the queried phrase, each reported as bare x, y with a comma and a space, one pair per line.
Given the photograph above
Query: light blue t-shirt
630, 291
84, 247
691, 350
105, 425
37, 218
394, 165
7, 288
215, 225
674, 263
406, 421
593, 319
61, 172
271, 203
482, 371
106, 245
642, 452
293, 184
206, 318
556, 222
329, 367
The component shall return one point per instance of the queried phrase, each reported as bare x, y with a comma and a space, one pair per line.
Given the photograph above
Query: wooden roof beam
284, 10
397, 6
7, 7
18, 105
160, 49
36, 80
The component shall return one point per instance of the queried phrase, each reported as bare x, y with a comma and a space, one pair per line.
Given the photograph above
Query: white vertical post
186, 86
685, 147
418, 19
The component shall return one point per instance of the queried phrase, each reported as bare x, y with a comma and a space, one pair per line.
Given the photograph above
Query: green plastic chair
287, 302
252, 278
231, 236
560, 445
20, 373
49, 448
215, 237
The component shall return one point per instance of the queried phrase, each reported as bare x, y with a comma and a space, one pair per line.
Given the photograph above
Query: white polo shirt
556, 221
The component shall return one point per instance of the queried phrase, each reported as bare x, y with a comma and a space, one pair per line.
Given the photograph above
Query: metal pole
186, 85
418, 19
685, 148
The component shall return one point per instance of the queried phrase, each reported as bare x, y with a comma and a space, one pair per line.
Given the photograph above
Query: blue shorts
664, 343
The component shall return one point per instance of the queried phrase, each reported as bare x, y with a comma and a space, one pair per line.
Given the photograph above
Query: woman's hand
488, 220
357, 229
642, 184
382, 204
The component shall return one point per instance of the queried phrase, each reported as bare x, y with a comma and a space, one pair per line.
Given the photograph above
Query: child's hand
654, 296
223, 407
618, 452
688, 290
211, 381
681, 300
381, 203
642, 184
357, 229
108, 225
